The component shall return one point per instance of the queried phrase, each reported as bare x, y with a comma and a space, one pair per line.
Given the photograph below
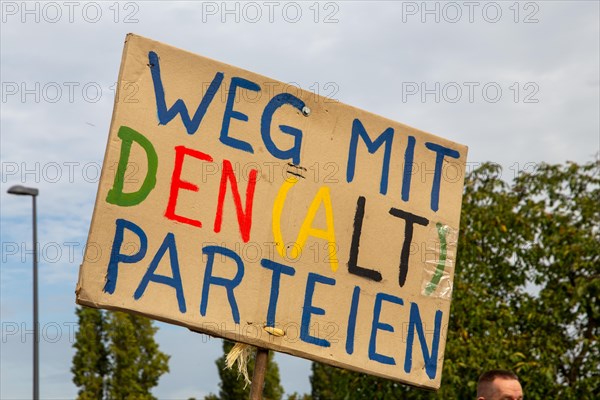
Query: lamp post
26, 191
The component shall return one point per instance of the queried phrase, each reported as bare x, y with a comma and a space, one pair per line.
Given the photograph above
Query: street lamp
26, 191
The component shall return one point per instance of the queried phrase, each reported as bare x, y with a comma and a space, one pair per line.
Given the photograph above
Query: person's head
499, 384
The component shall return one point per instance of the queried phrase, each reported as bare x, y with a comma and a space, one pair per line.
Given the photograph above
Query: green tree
526, 290
90, 363
136, 362
298, 396
116, 356
563, 259
233, 387
335, 383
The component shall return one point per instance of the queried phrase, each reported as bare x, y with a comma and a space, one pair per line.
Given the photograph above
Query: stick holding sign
258, 378
225, 206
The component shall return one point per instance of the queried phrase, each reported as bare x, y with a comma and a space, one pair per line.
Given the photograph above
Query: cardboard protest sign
242, 207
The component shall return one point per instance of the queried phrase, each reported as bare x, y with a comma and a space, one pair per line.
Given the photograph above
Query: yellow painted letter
323, 196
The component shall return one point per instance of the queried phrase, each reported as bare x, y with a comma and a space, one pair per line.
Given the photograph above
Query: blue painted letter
277, 269
231, 113
441, 152
386, 137
308, 309
116, 257
166, 115
373, 355
352, 320
408, 167
228, 284
415, 323
265, 128
174, 282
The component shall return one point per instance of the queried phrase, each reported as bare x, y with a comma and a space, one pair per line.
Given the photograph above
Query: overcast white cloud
519, 87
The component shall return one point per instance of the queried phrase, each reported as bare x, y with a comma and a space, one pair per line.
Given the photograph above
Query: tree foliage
116, 356
90, 363
526, 290
137, 363
233, 387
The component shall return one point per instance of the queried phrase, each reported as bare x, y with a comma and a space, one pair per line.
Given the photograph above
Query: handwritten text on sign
235, 209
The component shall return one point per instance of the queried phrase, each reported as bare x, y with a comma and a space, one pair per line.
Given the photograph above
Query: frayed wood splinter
241, 353
274, 331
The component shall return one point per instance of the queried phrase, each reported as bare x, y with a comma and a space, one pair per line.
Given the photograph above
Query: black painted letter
353, 267
410, 219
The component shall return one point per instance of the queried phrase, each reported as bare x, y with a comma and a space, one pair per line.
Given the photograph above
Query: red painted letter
244, 216
177, 183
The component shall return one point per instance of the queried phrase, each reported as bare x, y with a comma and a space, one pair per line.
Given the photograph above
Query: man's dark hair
485, 381
489, 376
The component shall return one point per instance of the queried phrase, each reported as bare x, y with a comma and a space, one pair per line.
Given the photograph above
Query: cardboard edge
79, 286
81, 298
232, 336
320, 99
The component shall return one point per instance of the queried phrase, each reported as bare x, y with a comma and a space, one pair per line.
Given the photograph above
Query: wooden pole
258, 378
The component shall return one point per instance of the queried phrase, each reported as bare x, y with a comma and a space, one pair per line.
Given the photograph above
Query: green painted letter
116, 195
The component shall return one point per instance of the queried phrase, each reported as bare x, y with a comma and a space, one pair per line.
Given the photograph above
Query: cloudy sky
516, 82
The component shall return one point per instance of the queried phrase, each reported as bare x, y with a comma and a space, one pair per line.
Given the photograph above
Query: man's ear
481, 398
